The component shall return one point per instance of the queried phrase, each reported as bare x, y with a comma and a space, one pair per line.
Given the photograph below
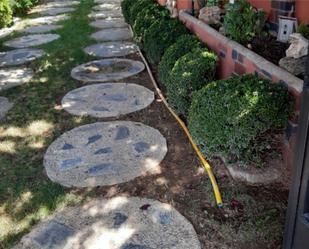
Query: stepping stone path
31, 40
107, 6
5, 106
111, 49
104, 153
19, 56
105, 14
11, 77
117, 223
115, 34
107, 70
41, 29
46, 20
109, 23
107, 100
56, 11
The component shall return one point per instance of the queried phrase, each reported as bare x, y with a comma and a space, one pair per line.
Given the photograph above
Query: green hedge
233, 118
126, 8
160, 35
146, 18
184, 45
137, 7
190, 73
5, 13
22, 6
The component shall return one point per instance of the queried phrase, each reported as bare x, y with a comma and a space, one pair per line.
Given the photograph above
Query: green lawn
26, 194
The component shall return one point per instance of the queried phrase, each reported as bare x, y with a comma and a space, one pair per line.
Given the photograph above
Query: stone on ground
108, 1
19, 56
111, 49
109, 23
105, 14
116, 34
107, 6
41, 29
56, 4
56, 11
11, 77
46, 20
116, 223
107, 70
107, 100
31, 40
103, 154
5, 106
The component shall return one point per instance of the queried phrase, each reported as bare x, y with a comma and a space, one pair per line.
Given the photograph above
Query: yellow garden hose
206, 165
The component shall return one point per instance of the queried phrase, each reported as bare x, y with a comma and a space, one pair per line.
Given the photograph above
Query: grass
26, 194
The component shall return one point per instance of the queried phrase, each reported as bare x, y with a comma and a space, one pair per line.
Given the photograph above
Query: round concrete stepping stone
46, 20
117, 34
117, 223
19, 56
107, 6
107, 70
107, 100
109, 23
111, 49
5, 106
105, 14
41, 29
11, 77
103, 154
31, 40
56, 11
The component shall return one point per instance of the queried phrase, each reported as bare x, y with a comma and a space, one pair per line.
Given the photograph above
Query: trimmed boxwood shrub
190, 73
146, 18
5, 13
137, 7
184, 45
235, 118
126, 8
161, 34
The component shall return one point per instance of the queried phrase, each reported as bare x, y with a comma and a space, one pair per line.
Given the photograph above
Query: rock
294, 66
171, 6
298, 47
210, 15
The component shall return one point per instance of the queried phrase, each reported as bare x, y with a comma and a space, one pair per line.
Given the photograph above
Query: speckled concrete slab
107, 100
46, 20
108, 1
111, 49
56, 11
56, 4
105, 14
11, 77
115, 34
41, 29
5, 106
102, 154
107, 70
19, 56
31, 40
109, 23
117, 223
107, 6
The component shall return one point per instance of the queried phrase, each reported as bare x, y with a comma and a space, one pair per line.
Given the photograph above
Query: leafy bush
146, 18
161, 34
5, 13
184, 45
190, 73
22, 6
233, 118
242, 22
304, 30
126, 8
137, 7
